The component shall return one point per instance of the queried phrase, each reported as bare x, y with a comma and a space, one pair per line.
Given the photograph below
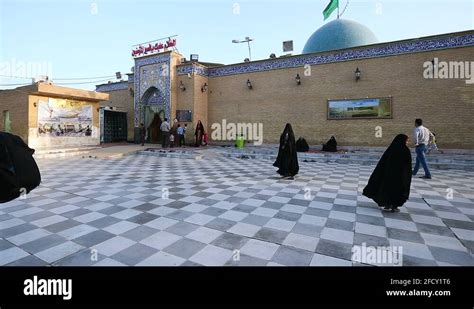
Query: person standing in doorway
421, 139
165, 129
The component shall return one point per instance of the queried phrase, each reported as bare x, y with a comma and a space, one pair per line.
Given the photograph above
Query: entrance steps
48, 153
451, 159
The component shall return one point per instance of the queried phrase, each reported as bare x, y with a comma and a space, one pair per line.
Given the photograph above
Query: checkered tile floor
145, 210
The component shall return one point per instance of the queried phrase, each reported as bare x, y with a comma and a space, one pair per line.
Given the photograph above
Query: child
180, 132
171, 140
432, 143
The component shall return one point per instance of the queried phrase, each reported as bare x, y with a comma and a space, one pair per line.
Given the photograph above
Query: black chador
331, 145
19, 173
287, 160
389, 184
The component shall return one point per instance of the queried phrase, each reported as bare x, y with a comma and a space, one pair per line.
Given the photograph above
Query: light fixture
249, 84
272, 56
357, 74
118, 75
247, 40
131, 92
204, 88
246, 60
181, 86
298, 79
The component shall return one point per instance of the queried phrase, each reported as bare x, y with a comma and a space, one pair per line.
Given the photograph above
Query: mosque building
344, 84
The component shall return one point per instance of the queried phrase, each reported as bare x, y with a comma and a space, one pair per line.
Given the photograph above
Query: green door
115, 127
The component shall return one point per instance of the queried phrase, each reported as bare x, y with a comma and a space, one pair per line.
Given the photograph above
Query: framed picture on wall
369, 108
184, 115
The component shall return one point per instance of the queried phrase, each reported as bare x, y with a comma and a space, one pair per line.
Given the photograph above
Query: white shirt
421, 135
165, 126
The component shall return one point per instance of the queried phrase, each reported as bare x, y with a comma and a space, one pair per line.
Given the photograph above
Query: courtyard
215, 210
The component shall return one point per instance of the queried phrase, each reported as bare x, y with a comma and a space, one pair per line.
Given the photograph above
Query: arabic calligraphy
151, 48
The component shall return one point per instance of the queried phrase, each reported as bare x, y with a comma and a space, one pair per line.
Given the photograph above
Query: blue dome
339, 34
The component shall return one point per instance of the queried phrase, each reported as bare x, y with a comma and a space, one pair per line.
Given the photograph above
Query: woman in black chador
331, 145
18, 170
199, 134
287, 160
389, 184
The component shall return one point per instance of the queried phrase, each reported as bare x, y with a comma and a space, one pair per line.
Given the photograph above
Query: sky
71, 39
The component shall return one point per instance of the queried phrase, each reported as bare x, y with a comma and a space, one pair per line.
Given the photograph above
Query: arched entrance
153, 114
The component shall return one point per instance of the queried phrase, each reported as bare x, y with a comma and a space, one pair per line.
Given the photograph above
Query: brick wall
446, 106
16, 102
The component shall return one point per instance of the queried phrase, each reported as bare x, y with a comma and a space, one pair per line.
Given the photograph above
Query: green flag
334, 4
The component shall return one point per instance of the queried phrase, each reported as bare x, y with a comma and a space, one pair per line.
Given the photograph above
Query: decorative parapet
364, 52
112, 86
193, 68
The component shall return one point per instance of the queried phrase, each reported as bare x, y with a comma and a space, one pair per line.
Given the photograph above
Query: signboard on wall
64, 118
184, 115
360, 108
154, 47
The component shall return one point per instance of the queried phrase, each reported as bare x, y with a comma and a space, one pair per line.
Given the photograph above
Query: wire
81, 83
83, 78
68, 83
66, 79
24, 84
11, 76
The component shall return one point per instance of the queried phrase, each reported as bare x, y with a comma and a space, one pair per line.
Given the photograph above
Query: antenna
343, 10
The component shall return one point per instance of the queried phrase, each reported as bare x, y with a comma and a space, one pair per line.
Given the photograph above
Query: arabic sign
153, 47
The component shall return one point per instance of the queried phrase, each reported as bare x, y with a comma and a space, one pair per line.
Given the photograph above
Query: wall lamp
181, 86
357, 74
298, 79
249, 84
204, 88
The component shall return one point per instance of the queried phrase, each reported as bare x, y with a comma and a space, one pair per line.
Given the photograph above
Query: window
7, 124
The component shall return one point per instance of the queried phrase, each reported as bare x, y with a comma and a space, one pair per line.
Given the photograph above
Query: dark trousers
181, 140
166, 140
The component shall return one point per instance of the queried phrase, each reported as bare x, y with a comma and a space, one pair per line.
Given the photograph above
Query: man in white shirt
421, 138
165, 129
